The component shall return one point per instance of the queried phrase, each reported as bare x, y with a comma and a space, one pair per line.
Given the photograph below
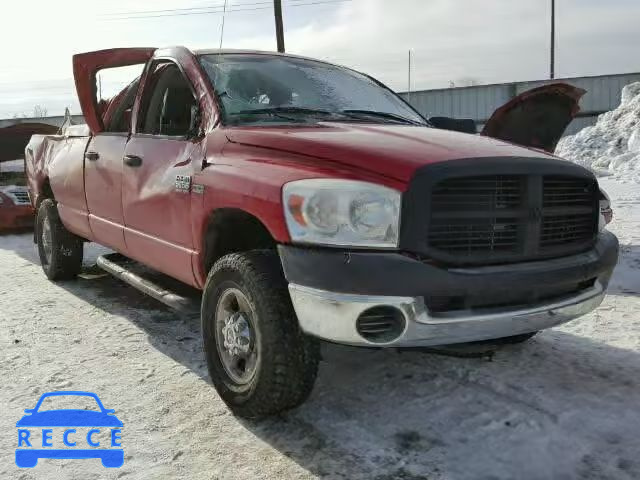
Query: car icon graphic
34, 418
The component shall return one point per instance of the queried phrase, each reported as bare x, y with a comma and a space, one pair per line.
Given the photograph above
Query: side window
168, 106
120, 118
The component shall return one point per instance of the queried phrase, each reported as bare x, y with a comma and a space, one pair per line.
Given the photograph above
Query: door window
168, 106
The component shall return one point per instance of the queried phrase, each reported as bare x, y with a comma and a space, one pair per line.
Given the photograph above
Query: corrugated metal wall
479, 102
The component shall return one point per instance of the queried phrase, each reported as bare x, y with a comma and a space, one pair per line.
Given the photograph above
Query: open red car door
537, 117
85, 68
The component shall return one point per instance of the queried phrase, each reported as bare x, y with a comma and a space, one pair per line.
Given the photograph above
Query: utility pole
552, 69
409, 85
277, 10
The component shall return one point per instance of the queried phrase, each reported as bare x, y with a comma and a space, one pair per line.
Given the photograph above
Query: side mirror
29, 410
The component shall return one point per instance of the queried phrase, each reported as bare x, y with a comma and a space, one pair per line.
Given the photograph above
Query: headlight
342, 212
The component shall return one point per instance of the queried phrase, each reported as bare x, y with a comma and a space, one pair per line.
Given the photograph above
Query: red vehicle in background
16, 212
308, 201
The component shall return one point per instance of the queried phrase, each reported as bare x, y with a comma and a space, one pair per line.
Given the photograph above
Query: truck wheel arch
43, 193
232, 230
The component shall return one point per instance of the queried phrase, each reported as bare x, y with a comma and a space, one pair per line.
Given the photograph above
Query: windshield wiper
387, 115
276, 110
281, 112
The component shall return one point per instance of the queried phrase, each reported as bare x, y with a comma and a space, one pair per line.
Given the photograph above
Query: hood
536, 118
389, 150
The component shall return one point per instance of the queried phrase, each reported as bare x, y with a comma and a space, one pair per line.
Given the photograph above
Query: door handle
132, 160
93, 156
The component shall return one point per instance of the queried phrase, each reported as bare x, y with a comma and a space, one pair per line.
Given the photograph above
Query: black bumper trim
395, 274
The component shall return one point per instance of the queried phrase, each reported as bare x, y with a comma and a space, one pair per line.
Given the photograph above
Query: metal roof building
479, 102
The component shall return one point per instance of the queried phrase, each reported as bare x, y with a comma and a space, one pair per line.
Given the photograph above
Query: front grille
476, 193
501, 218
559, 191
576, 228
20, 197
462, 215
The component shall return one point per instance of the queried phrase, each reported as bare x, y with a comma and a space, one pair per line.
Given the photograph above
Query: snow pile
612, 145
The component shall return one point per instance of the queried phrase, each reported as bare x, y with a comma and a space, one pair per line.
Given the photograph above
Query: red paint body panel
103, 185
138, 210
163, 240
394, 151
59, 161
14, 217
85, 68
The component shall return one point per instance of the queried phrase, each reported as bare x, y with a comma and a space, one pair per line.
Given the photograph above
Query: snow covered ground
566, 405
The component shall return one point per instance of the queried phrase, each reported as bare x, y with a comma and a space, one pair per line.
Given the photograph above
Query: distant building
479, 102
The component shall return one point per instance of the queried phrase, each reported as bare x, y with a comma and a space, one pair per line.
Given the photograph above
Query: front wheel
259, 360
60, 251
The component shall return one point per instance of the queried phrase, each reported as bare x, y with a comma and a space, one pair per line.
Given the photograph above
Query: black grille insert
511, 299
502, 218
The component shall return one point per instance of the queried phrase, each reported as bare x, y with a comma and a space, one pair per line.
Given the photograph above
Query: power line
325, 2
204, 9
190, 9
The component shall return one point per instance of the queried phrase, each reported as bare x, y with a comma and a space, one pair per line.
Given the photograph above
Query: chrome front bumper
333, 316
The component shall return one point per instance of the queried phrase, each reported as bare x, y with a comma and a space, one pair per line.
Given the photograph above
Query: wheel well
46, 192
231, 230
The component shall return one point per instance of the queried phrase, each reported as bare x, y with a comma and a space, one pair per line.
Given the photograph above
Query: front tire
259, 360
60, 251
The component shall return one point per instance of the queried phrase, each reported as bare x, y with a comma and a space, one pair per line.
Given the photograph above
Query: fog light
382, 324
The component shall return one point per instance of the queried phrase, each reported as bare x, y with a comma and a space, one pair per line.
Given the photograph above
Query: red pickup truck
308, 201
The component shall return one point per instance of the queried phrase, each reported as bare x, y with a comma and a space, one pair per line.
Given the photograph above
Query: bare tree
467, 82
39, 111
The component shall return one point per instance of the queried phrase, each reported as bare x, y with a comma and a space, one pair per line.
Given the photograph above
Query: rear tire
259, 360
60, 251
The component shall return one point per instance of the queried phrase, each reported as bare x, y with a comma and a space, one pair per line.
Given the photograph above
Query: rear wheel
258, 358
60, 251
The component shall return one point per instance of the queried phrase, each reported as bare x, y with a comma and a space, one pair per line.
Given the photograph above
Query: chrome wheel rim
235, 336
47, 243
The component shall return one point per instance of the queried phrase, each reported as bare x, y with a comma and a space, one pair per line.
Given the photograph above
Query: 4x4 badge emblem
183, 183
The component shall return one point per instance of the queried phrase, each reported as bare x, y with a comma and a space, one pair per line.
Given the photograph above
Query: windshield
265, 88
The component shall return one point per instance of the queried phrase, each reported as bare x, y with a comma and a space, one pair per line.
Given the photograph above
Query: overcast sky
452, 40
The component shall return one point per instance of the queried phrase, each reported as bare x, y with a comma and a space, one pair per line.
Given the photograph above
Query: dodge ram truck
308, 201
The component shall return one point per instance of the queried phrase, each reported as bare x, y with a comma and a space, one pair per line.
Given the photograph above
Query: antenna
224, 12
552, 68
409, 86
